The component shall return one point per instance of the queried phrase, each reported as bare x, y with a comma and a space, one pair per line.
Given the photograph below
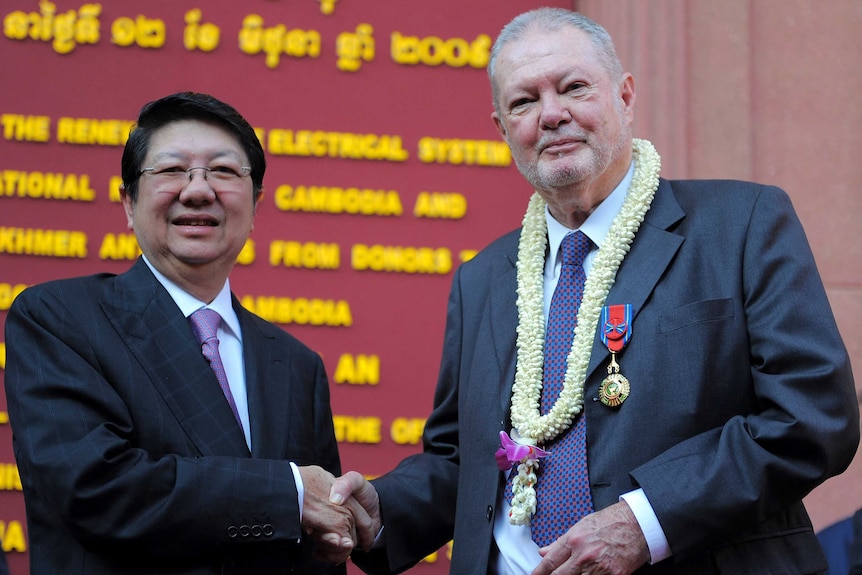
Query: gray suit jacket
742, 399
130, 458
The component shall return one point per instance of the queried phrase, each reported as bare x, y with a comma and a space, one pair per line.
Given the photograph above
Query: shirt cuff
659, 548
300, 488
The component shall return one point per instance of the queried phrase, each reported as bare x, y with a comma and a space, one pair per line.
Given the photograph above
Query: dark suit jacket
842, 543
130, 458
742, 399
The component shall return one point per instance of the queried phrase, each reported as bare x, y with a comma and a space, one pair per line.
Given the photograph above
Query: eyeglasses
224, 173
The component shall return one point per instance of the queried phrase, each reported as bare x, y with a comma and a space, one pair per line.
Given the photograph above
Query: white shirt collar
189, 304
597, 224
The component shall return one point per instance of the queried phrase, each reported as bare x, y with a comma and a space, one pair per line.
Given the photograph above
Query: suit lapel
504, 321
161, 340
264, 363
651, 253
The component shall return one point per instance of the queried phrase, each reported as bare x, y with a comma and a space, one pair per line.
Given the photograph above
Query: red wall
65, 104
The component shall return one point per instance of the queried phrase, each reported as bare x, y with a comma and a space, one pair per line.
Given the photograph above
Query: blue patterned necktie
205, 324
563, 487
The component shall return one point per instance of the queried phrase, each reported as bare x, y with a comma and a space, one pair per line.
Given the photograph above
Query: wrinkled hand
353, 488
331, 526
608, 542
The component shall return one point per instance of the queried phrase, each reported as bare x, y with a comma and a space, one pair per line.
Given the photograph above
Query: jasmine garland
529, 426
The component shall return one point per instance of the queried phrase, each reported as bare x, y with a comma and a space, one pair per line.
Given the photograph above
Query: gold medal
615, 388
615, 333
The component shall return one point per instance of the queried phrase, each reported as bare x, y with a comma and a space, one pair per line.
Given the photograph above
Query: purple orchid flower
511, 453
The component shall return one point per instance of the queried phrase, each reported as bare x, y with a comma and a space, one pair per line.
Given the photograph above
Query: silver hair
554, 19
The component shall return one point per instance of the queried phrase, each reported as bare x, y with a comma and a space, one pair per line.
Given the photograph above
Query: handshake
339, 514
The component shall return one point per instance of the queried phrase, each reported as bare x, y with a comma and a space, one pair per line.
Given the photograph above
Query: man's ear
501, 128
257, 201
628, 96
128, 206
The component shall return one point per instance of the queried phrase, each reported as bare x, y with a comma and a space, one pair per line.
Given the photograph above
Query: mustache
559, 138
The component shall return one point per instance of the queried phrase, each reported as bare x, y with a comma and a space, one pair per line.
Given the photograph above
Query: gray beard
554, 177
548, 177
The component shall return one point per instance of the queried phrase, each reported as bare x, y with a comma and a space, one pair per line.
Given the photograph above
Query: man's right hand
332, 526
353, 490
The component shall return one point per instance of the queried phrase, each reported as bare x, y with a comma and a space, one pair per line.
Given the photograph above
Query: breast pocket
695, 313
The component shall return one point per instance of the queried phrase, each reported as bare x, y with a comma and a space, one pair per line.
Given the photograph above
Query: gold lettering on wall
275, 41
467, 255
143, 31
464, 152
356, 429
248, 253
359, 369
200, 36
12, 537
90, 131
407, 430
402, 259
320, 144
300, 311
353, 48
8, 293
23, 128
114, 184
334, 200
49, 243
119, 247
435, 51
10, 479
46, 186
65, 31
307, 255
439, 205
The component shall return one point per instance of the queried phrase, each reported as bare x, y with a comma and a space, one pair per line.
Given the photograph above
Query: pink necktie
205, 324
563, 486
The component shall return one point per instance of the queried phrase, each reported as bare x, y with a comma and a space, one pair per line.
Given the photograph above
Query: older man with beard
654, 363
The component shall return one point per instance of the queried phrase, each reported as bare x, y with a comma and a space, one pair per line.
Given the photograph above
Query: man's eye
171, 170
225, 170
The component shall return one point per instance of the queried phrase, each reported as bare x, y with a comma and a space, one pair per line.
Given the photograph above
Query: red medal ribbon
616, 326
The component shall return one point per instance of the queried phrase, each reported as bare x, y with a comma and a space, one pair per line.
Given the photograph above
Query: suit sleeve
802, 426
77, 444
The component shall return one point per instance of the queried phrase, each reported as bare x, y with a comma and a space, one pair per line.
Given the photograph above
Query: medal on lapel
616, 333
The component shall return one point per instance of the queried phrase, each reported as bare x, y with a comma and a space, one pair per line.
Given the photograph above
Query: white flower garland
532, 427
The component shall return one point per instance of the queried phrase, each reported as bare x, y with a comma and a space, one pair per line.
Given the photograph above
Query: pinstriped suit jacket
742, 397
130, 458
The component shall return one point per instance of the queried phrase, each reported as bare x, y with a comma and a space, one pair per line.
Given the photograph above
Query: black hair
188, 106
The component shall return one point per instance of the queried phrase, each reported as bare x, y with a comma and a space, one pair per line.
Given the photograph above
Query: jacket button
489, 513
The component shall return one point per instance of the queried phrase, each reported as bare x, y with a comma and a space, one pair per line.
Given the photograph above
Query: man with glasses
158, 426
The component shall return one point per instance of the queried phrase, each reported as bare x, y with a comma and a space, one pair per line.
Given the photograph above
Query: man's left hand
608, 542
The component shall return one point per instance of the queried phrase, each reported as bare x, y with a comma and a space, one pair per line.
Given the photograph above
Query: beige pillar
763, 90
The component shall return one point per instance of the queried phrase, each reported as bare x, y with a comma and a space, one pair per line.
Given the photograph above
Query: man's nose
554, 112
197, 188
